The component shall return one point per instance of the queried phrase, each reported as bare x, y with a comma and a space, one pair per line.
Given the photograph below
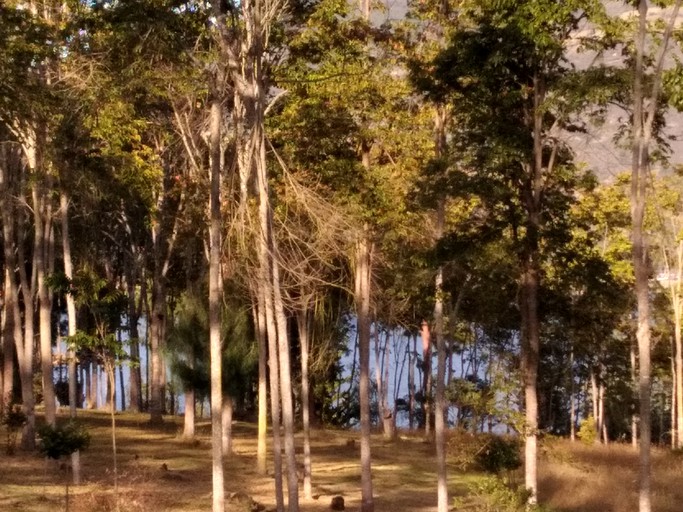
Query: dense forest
320, 213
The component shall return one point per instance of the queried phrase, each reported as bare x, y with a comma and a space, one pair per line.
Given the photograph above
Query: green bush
62, 440
499, 454
587, 430
491, 494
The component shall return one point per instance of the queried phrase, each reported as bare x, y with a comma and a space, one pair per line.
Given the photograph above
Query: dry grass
159, 472
580, 478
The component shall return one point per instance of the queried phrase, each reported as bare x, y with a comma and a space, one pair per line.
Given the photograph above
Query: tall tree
646, 95
517, 48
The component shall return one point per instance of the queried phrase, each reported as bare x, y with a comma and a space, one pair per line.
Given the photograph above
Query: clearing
158, 471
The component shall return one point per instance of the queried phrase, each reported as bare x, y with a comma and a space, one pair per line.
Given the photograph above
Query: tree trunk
8, 341
189, 415
440, 402
595, 401
388, 418
412, 357
677, 302
673, 441
228, 406
72, 326
382, 382
572, 399
157, 327
363, 275
639, 177
303, 328
641, 134
41, 248
215, 307
634, 383
602, 433
261, 449
426, 378
530, 281
283, 346
122, 387
94, 385
135, 375
530, 349
267, 333
25, 353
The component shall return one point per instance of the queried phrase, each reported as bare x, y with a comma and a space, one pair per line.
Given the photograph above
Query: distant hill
595, 149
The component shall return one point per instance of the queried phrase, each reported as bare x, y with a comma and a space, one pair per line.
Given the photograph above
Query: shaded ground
159, 472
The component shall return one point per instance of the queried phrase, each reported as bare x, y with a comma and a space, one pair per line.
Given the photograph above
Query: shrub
499, 454
587, 430
463, 448
62, 440
490, 494
14, 419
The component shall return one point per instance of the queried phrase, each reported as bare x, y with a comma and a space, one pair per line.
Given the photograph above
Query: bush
14, 419
587, 431
490, 494
62, 440
499, 454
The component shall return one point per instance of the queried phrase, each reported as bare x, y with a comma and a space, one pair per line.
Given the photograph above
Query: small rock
337, 503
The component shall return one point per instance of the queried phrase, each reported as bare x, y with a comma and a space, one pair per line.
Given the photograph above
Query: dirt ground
157, 471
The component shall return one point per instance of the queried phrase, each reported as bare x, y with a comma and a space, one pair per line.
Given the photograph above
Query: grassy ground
160, 472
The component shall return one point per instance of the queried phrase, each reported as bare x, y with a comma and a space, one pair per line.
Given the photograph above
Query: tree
509, 64
645, 108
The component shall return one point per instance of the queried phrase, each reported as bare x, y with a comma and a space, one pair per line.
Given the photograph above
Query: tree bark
677, 302
41, 248
157, 326
72, 328
642, 129
215, 305
572, 399
261, 449
634, 385
135, 375
412, 356
8, 342
267, 334
640, 164
363, 273
189, 415
440, 402
426, 378
303, 328
228, 406
25, 349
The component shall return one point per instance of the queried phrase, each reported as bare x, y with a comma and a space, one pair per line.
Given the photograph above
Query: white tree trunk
304, 330
215, 307
71, 318
440, 399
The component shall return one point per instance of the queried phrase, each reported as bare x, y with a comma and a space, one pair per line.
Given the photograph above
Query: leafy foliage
14, 419
63, 439
499, 454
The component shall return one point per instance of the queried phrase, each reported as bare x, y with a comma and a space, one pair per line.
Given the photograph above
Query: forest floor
158, 471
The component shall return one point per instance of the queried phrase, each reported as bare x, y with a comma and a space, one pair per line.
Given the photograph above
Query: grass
161, 472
